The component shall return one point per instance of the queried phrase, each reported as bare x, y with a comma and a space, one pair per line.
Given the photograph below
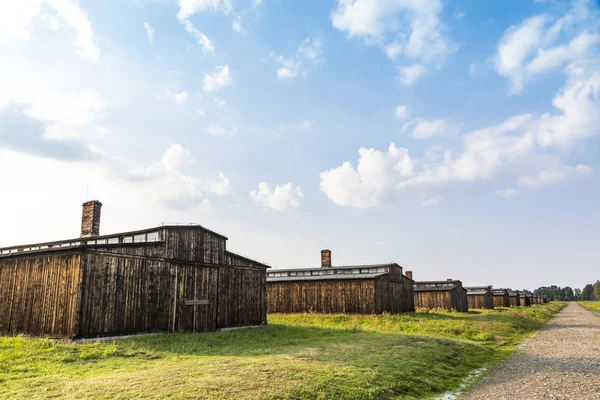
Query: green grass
591, 305
302, 356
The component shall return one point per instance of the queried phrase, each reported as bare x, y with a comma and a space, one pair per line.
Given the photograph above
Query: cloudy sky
457, 138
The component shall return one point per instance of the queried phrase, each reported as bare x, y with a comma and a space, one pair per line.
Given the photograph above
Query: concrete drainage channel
123, 337
467, 382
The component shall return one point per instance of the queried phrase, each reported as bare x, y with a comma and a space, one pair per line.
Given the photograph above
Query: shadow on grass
325, 362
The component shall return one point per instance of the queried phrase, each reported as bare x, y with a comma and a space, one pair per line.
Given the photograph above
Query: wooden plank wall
515, 301
459, 299
502, 300
124, 294
525, 301
327, 296
242, 297
39, 294
393, 297
194, 244
441, 299
484, 301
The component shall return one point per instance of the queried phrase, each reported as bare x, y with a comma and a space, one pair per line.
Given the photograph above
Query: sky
459, 139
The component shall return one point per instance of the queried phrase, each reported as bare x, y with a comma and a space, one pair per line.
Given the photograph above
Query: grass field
591, 305
303, 356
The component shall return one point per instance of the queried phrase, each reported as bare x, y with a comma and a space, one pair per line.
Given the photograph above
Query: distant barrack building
480, 297
501, 297
360, 289
514, 297
446, 295
526, 298
168, 278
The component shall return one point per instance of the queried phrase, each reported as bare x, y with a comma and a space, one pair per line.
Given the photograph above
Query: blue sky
457, 138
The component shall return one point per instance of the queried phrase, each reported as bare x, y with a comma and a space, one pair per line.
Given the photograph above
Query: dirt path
562, 361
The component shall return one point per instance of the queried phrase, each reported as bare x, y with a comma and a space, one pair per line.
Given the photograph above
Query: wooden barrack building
480, 297
358, 289
169, 278
447, 295
526, 298
501, 297
515, 298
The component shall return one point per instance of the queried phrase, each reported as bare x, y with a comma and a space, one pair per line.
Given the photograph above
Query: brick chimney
408, 274
449, 280
325, 258
90, 219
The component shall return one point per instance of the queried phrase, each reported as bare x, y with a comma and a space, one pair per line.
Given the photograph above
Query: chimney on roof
408, 274
90, 219
449, 280
325, 258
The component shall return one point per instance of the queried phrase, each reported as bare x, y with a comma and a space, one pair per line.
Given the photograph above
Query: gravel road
561, 361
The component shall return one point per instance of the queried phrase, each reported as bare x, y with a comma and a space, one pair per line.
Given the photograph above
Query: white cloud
283, 197
555, 175
217, 80
305, 125
175, 93
200, 112
218, 130
149, 32
170, 185
410, 74
74, 109
18, 17
472, 69
181, 97
309, 51
176, 158
507, 193
538, 44
521, 147
236, 25
578, 104
200, 37
421, 128
372, 182
409, 28
219, 102
187, 8
432, 201
221, 186
401, 112
459, 15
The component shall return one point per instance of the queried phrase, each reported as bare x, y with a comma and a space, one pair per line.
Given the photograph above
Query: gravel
561, 361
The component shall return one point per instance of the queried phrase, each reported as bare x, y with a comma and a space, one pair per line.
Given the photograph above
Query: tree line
556, 293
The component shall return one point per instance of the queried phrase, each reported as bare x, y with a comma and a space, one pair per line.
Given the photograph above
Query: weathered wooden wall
502, 300
40, 294
193, 244
454, 299
242, 296
515, 301
526, 301
326, 296
184, 280
393, 297
126, 294
485, 301
441, 299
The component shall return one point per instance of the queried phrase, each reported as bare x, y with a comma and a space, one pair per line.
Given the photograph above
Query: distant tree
597, 290
567, 294
577, 292
588, 292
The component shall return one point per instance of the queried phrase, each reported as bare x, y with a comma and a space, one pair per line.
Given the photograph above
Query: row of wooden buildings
369, 289
183, 278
